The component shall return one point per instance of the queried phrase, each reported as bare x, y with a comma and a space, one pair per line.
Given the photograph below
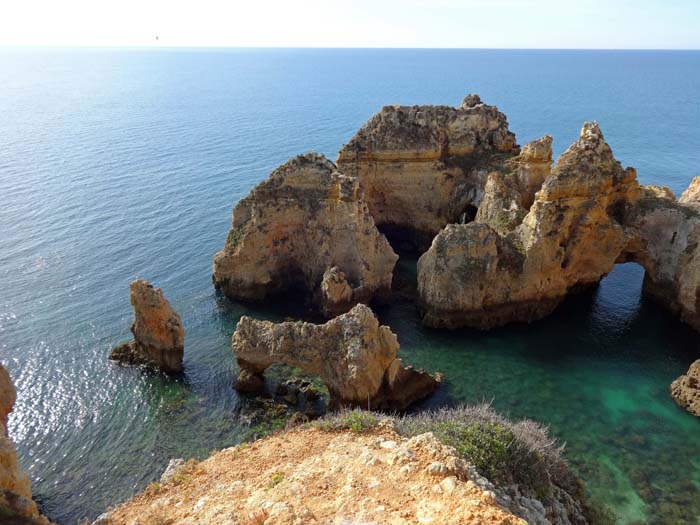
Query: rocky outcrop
686, 389
423, 167
316, 477
352, 354
509, 193
691, 196
16, 505
475, 275
159, 337
305, 228
589, 215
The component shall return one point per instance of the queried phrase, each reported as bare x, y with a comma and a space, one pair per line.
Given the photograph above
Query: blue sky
589, 24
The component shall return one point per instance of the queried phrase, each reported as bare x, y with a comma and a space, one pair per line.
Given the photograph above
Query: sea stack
16, 505
305, 229
352, 354
518, 260
686, 389
159, 337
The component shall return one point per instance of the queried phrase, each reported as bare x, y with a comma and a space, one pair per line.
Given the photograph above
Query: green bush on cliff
503, 451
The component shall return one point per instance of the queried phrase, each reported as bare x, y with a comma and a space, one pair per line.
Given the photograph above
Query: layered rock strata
16, 505
159, 337
423, 167
686, 389
353, 355
589, 214
305, 228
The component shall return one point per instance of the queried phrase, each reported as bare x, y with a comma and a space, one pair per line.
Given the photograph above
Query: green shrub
354, 420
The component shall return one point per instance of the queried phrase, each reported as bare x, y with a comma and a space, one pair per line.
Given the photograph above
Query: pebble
449, 484
437, 469
389, 445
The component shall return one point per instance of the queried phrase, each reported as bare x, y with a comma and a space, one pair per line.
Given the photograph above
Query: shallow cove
594, 371
117, 164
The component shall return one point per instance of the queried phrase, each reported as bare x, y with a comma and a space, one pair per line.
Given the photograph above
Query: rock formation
16, 505
314, 477
686, 389
352, 354
589, 214
305, 228
423, 167
159, 337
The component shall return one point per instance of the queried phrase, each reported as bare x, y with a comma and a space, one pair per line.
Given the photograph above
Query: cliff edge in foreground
357, 467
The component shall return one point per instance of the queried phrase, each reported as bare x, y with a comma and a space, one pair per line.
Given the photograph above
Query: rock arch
353, 355
589, 214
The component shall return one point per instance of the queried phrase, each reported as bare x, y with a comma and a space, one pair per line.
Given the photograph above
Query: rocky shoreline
505, 236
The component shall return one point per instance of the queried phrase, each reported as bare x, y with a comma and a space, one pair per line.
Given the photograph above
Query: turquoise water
123, 163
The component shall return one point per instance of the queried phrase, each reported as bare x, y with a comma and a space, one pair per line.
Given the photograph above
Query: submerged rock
423, 167
16, 503
159, 337
353, 355
589, 214
305, 228
686, 389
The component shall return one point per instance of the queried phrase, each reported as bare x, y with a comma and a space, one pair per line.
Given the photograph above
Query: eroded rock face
691, 196
305, 227
589, 214
352, 354
423, 167
686, 389
509, 194
159, 337
16, 503
475, 275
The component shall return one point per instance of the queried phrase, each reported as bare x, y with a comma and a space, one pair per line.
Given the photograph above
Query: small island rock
159, 337
686, 389
352, 354
306, 220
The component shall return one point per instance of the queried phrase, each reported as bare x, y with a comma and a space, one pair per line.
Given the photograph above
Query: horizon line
397, 48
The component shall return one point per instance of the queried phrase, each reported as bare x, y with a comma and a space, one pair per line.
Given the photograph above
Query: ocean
125, 163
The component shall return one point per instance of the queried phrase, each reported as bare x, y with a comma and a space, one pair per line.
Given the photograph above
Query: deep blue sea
117, 164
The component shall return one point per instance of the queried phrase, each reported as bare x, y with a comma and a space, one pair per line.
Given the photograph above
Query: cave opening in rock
618, 298
296, 389
468, 214
405, 241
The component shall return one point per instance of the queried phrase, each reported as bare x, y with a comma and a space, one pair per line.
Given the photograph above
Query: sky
587, 24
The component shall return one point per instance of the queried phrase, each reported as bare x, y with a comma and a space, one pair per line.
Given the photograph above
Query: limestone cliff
686, 389
305, 220
509, 194
352, 354
16, 505
423, 167
315, 477
159, 337
589, 214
